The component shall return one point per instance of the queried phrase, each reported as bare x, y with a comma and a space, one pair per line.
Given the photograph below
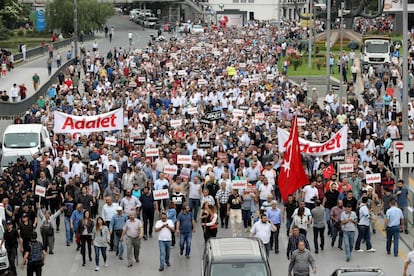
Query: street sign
404, 154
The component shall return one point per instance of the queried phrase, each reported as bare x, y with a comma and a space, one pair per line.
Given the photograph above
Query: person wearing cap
116, 227
11, 240
25, 230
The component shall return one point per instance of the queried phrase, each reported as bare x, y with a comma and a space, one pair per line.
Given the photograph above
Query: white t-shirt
310, 192
165, 233
265, 190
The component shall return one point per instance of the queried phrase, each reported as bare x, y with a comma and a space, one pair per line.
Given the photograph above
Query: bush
20, 32
4, 34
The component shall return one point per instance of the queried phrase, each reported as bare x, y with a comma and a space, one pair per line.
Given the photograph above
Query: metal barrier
38, 51
10, 111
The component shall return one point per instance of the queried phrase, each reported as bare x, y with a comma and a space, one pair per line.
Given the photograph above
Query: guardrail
38, 51
10, 110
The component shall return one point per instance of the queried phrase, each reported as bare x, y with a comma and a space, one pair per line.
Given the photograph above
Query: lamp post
341, 64
311, 11
328, 45
75, 26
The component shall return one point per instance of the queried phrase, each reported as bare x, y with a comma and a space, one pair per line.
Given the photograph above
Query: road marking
75, 265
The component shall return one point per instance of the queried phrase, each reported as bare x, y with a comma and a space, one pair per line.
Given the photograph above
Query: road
66, 261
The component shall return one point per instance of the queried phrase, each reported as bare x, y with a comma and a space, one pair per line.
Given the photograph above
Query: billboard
230, 20
40, 19
392, 5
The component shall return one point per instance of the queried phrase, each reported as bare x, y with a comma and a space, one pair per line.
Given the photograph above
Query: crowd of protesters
216, 73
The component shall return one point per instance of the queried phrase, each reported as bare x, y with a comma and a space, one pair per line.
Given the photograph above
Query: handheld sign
161, 194
373, 178
40, 191
110, 141
346, 168
151, 152
175, 123
184, 159
168, 169
239, 184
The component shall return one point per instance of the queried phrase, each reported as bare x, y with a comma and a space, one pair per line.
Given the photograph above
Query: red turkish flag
329, 171
292, 174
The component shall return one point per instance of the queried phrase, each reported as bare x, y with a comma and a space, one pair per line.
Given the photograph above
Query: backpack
36, 252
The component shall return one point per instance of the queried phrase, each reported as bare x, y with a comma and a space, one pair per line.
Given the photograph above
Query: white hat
119, 208
313, 89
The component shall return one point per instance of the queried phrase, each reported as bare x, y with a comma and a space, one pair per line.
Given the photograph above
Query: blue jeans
349, 237
185, 238
335, 232
103, 250
165, 247
393, 233
69, 232
363, 234
118, 244
246, 216
194, 205
267, 248
288, 224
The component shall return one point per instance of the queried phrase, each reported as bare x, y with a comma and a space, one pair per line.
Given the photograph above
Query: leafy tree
92, 15
11, 12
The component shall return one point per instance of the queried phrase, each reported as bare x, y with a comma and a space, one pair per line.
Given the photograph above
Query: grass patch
304, 70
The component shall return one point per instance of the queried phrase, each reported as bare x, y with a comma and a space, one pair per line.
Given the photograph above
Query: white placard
244, 82
168, 169
161, 194
373, 178
238, 113
276, 108
174, 55
301, 121
152, 152
242, 65
142, 79
192, 110
145, 55
185, 173
40, 191
346, 168
184, 159
175, 123
111, 140
270, 76
202, 82
259, 116
239, 184
182, 73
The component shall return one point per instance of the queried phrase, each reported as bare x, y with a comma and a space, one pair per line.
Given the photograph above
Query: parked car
358, 271
196, 29
150, 22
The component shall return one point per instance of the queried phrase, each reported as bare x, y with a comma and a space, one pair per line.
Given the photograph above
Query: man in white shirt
262, 229
112, 162
77, 166
310, 194
164, 226
130, 203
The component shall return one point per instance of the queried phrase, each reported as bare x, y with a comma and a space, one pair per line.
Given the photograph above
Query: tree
11, 12
92, 15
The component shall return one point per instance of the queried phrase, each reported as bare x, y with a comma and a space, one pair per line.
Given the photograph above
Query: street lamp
341, 14
75, 26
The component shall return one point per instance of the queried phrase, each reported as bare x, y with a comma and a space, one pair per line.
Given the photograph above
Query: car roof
235, 248
21, 128
359, 271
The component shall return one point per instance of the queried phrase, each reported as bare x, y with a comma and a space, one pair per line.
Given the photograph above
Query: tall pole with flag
292, 174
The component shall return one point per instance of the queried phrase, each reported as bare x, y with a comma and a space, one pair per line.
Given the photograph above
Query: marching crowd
203, 82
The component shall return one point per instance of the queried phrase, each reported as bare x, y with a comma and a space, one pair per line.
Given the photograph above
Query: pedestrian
234, 210
85, 230
24, 50
34, 256
288, 209
349, 221
47, 223
274, 215
11, 242
211, 224
222, 198
49, 67
185, 228
76, 216
318, 218
336, 224
301, 220
109, 210
68, 207
403, 201
262, 229
149, 205
14, 93
409, 264
132, 233
25, 229
394, 221
115, 228
172, 215
165, 227
293, 241
58, 60
363, 227
100, 238
301, 260
22, 91
194, 195
36, 81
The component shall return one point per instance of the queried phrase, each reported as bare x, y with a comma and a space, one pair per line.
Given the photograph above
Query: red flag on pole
328, 171
292, 174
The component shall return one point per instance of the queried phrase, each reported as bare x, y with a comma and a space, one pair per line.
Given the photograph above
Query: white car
197, 29
4, 260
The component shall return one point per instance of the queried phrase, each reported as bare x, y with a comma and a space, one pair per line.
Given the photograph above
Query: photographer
262, 229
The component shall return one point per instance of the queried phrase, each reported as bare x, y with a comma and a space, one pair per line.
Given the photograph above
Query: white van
29, 137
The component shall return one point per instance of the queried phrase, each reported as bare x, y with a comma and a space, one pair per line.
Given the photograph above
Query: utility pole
328, 45
341, 34
75, 26
311, 20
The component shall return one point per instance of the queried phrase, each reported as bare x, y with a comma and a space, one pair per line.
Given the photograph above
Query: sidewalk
23, 72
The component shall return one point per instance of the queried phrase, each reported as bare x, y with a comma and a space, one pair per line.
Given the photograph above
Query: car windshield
21, 140
236, 269
377, 47
5, 160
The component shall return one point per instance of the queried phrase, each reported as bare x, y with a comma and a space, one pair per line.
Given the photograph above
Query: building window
251, 1
243, 1
236, 1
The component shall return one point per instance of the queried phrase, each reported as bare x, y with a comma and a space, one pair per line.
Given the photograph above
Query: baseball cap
119, 208
9, 221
